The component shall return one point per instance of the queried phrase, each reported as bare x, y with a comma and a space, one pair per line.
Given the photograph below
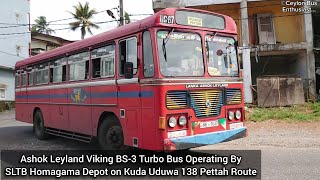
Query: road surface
289, 150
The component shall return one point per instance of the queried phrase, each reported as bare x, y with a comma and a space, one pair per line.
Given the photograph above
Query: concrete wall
14, 13
7, 79
289, 27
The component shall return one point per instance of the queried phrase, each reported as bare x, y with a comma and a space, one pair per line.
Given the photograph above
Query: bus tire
38, 126
110, 134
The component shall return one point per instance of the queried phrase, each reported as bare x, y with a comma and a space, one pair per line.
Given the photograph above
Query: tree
42, 26
126, 18
83, 14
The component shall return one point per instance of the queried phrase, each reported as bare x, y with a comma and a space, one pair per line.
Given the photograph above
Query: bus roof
230, 27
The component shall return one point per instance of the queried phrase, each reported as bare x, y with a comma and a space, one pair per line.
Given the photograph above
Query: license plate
209, 124
175, 134
236, 125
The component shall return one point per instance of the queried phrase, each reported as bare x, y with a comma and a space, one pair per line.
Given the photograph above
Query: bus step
68, 134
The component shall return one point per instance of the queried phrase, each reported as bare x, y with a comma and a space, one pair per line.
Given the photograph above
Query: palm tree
83, 14
42, 26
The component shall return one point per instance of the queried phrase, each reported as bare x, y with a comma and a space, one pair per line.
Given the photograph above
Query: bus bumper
204, 139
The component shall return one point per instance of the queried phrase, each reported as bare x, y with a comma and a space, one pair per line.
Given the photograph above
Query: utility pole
121, 13
246, 52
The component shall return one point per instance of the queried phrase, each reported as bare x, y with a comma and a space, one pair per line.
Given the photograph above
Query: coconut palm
42, 26
83, 14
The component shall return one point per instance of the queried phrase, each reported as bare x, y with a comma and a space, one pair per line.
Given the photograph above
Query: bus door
129, 93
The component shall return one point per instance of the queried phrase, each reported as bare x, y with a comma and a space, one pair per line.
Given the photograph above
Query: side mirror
128, 70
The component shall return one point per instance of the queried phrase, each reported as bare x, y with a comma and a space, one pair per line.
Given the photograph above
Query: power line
5, 34
11, 54
18, 25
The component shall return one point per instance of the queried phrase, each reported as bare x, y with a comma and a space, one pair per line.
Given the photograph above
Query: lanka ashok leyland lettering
168, 82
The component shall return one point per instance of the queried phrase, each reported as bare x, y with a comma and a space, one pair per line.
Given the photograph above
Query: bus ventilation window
122, 56
96, 68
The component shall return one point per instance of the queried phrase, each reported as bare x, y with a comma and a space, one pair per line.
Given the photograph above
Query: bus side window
79, 66
17, 79
103, 61
24, 78
30, 76
128, 53
41, 74
58, 70
148, 64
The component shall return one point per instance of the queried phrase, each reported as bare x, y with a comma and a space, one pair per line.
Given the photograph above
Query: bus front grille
176, 99
233, 96
206, 103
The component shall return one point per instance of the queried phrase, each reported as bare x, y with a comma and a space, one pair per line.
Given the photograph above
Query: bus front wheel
38, 126
110, 134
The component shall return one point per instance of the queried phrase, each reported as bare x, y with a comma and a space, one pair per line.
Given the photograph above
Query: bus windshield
180, 54
221, 55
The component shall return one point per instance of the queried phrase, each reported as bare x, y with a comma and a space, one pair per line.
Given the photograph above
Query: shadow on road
22, 138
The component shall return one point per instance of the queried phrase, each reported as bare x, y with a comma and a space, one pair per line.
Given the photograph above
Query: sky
59, 9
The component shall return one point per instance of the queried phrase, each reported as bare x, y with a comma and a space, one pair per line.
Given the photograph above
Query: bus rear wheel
38, 126
110, 134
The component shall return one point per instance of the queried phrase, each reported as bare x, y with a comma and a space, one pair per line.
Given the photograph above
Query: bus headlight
172, 122
182, 120
230, 115
238, 114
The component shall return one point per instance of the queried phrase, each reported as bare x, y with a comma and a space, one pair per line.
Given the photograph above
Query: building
274, 37
45, 42
14, 42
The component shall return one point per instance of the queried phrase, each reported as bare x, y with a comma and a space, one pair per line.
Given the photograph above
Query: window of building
103, 61
17, 79
148, 64
41, 73
24, 78
30, 76
2, 93
266, 29
128, 53
79, 66
58, 70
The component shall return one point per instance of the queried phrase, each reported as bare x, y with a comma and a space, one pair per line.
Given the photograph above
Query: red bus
168, 82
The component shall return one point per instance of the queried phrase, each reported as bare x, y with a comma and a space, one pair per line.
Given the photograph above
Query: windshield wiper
207, 46
164, 42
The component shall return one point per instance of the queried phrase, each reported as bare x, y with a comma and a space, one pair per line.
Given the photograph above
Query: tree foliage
42, 26
83, 14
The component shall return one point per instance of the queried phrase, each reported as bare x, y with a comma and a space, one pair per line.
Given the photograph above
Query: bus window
103, 61
41, 74
79, 66
128, 53
180, 54
24, 78
58, 70
222, 57
148, 64
17, 78
30, 76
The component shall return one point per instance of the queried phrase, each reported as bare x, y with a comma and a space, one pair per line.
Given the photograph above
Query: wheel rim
114, 137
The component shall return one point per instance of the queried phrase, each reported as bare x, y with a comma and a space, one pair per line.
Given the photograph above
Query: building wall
7, 79
13, 13
289, 27
42, 45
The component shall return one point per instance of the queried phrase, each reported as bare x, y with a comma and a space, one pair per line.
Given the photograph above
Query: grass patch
306, 112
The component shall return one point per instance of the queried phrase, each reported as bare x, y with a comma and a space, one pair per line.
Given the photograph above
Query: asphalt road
289, 150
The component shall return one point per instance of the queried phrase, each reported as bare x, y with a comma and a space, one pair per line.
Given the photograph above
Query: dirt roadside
281, 134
